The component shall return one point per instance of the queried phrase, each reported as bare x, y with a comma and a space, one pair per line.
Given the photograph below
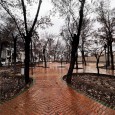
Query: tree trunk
76, 60
68, 58
111, 54
27, 59
15, 39
83, 56
32, 61
97, 65
105, 59
45, 63
75, 44
108, 59
14, 56
54, 57
61, 61
0, 53
71, 67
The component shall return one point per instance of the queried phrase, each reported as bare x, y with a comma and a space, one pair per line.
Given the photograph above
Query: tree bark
54, 57
27, 59
32, 60
77, 59
97, 65
71, 67
105, 59
111, 54
108, 59
0, 53
15, 39
75, 44
45, 63
14, 56
83, 56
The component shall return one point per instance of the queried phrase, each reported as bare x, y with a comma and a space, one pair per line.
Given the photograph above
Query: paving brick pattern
50, 95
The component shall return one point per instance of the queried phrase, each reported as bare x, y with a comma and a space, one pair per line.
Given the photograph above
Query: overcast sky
57, 21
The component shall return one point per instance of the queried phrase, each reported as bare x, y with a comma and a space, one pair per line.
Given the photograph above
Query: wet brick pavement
50, 95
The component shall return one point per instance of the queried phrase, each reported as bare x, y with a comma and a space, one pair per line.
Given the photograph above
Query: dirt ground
10, 85
100, 87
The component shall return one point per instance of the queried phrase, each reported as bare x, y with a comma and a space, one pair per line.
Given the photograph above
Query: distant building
7, 55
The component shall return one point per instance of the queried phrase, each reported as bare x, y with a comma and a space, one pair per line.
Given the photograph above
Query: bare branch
24, 14
10, 14
35, 20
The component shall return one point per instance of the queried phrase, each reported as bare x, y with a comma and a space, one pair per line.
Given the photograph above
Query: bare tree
28, 31
97, 55
75, 43
86, 32
5, 36
67, 39
55, 49
107, 20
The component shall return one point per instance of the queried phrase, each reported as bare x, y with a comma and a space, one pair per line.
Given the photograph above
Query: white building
7, 56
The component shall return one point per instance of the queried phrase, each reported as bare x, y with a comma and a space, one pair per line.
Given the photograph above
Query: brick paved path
51, 96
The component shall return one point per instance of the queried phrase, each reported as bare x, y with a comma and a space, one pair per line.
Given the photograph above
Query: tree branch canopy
24, 14
35, 20
4, 6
